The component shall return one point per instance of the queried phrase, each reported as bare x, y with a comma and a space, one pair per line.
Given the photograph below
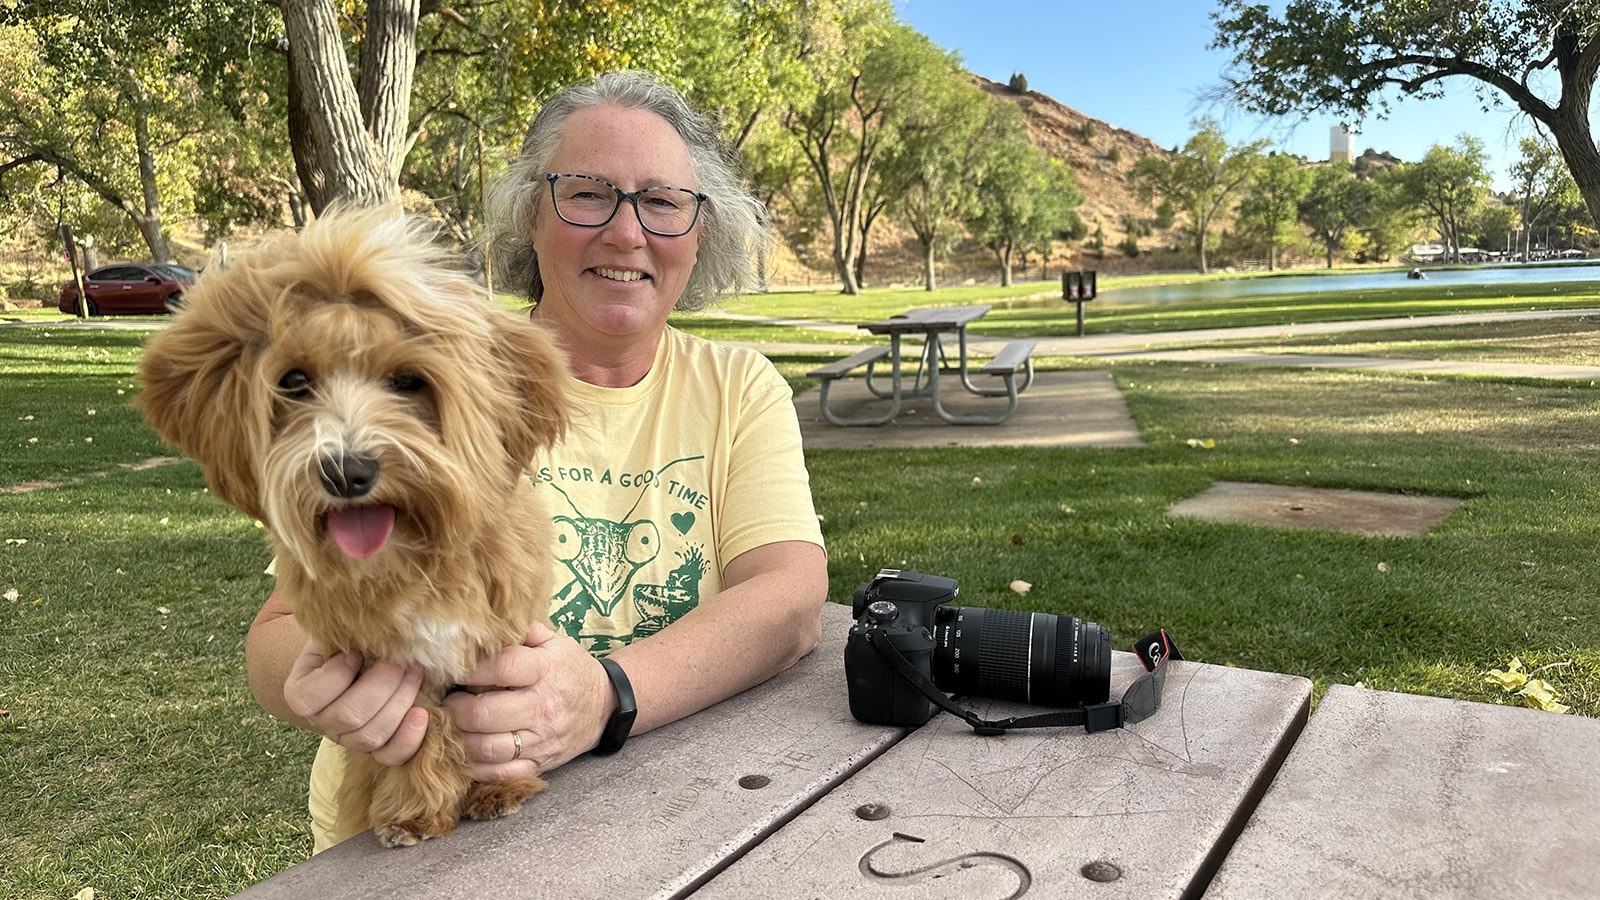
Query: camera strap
1139, 702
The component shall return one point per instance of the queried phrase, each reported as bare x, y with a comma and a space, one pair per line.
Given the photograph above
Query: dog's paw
491, 800
412, 832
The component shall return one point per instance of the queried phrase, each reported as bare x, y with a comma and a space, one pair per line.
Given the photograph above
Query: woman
689, 551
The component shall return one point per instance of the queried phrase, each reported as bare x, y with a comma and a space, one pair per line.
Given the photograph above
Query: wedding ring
516, 738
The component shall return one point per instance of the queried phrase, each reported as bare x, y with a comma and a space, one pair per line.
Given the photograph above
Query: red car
125, 288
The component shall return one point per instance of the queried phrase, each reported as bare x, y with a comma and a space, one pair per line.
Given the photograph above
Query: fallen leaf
1538, 694
1017, 540
11, 594
1020, 586
1510, 678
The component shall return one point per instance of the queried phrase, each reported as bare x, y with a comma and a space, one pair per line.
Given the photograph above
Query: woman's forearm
766, 618
270, 648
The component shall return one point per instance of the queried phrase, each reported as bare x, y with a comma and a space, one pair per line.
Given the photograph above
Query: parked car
127, 288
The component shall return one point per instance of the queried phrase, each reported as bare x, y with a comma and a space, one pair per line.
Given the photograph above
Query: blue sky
1143, 65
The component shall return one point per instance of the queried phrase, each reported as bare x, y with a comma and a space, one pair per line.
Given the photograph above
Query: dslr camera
1034, 658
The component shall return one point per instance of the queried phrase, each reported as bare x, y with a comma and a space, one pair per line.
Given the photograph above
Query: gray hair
733, 241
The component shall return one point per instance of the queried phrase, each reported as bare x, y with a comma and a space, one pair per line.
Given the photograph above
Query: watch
621, 721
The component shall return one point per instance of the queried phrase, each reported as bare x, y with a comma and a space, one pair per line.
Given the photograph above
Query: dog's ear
198, 392
538, 373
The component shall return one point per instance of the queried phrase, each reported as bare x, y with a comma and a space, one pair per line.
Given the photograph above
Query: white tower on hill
1339, 144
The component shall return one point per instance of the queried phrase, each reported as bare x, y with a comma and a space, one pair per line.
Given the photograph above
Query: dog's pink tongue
361, 531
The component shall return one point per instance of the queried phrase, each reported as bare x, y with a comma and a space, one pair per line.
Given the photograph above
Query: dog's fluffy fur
357, 394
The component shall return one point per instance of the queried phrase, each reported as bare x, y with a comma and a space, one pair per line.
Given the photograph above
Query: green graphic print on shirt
603, 558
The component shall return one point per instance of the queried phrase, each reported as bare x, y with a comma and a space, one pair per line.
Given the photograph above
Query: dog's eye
407, 382
295, 383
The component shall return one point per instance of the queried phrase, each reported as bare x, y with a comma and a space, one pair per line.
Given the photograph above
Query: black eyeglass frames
591, 202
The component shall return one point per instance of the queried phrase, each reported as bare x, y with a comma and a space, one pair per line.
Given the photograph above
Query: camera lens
1029, 657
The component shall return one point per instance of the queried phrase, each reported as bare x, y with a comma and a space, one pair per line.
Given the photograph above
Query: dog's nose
349, 476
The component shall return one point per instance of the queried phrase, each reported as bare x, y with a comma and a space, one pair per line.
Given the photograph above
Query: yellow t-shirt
655, 489
659, 485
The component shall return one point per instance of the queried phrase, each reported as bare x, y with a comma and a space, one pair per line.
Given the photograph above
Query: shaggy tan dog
358, 395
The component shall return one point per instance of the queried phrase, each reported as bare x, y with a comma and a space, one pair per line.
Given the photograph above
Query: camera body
1004, 654
898, 608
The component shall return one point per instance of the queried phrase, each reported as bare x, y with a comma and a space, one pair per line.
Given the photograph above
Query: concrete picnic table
779, 793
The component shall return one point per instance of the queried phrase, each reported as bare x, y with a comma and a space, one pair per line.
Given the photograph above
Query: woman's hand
368, 712
555, 703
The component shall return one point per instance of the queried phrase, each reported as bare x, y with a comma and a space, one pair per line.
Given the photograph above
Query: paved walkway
1086, 409
1177, 345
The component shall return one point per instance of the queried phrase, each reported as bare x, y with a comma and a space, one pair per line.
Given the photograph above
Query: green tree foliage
1201, 179
1355, 212
870, 72
1492, 227
1025, 199
1543, 187
1270, 207
1449, 184
1345, 56
133, 106
933, 167
1335, 203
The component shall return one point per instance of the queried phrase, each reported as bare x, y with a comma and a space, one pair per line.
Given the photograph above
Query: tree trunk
351, 164
929, 282
1576, 143
843, 261
388, 64
148, 219
307, 160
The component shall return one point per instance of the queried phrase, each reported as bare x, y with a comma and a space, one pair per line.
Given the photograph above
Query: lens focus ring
1003, 658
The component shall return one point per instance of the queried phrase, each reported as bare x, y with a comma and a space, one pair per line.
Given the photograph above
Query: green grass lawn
136, 763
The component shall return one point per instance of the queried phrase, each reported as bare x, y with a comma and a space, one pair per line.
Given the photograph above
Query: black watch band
621, 722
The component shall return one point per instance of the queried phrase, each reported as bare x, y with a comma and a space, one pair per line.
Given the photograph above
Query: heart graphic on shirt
683, 521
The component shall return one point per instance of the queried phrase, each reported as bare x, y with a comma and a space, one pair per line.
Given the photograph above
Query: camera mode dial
882, 612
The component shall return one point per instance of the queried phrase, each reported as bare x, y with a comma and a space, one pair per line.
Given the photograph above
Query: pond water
1533, 273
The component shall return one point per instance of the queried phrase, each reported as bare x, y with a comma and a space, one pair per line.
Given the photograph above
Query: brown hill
1102, 156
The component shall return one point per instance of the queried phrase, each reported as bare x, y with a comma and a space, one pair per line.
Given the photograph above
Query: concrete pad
1396, 795
1060, 409
1285, 506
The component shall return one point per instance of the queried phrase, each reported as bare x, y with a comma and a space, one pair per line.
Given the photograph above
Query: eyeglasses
591, 202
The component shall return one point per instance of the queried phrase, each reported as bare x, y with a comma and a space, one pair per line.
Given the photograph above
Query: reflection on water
1304, 284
